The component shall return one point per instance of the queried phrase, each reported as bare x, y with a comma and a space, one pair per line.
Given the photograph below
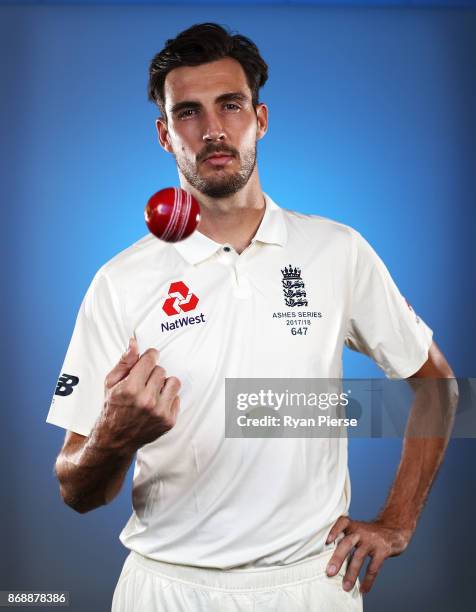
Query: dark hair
202, 43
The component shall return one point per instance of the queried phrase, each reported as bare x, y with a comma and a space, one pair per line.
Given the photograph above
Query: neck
234, 219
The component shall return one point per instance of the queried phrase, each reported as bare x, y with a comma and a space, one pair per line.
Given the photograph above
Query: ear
163, 135
262, 117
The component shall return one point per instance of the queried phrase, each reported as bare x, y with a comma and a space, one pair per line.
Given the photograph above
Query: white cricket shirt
200, 498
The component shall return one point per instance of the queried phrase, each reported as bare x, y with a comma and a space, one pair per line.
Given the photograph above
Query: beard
224, 185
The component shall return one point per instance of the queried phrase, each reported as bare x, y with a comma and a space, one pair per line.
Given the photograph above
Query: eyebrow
226, 97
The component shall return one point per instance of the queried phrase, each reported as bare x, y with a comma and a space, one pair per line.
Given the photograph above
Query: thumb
124, 365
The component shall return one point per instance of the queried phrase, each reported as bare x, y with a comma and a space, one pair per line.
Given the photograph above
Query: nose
211, 135
213, 130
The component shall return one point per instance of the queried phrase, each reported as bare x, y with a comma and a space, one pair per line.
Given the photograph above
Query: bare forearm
92, 475
427, 435
419, 464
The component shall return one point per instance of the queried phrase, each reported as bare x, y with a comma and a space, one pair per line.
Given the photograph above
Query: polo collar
272, 230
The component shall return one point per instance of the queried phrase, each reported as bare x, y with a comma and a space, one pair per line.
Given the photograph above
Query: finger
128, 359
169, 393
142, 369
156, 380
342, 550
175, 408
372, 571
354, 567
342, 523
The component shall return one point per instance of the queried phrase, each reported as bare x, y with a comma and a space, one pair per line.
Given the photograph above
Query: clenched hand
141, 403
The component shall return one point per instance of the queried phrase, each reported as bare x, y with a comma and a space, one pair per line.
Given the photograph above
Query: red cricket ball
172, 214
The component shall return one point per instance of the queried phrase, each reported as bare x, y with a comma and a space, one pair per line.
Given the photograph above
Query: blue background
372, 123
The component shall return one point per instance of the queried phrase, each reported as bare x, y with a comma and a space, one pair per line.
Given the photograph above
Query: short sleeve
381, 323
98, 341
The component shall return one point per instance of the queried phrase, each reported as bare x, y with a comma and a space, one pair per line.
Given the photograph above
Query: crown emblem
293, 287
291, 273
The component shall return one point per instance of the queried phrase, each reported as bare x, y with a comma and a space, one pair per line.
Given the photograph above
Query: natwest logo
180, 299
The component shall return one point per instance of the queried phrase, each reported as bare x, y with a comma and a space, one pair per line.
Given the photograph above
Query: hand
141, 404
375, 539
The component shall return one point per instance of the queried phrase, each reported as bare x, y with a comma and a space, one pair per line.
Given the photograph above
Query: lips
219, 159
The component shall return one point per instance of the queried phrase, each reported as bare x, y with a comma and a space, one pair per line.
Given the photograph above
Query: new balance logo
180, 299
65, 385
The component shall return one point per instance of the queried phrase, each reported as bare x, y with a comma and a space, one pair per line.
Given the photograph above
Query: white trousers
146, 585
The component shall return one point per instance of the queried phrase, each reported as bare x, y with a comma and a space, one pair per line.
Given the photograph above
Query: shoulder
143, 257
320, 230
316, 221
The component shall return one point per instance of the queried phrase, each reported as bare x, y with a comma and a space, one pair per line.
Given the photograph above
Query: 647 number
302, 331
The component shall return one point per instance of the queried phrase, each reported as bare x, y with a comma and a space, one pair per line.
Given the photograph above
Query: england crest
293, 287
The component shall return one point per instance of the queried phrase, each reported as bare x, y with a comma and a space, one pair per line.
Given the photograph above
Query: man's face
210, 113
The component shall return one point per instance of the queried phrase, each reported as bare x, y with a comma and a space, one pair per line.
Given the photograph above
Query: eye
188, 112
231, 106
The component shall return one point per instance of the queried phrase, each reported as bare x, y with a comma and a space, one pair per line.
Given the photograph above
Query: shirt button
227, 249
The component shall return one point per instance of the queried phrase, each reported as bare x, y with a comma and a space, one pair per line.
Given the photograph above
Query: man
228, 523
